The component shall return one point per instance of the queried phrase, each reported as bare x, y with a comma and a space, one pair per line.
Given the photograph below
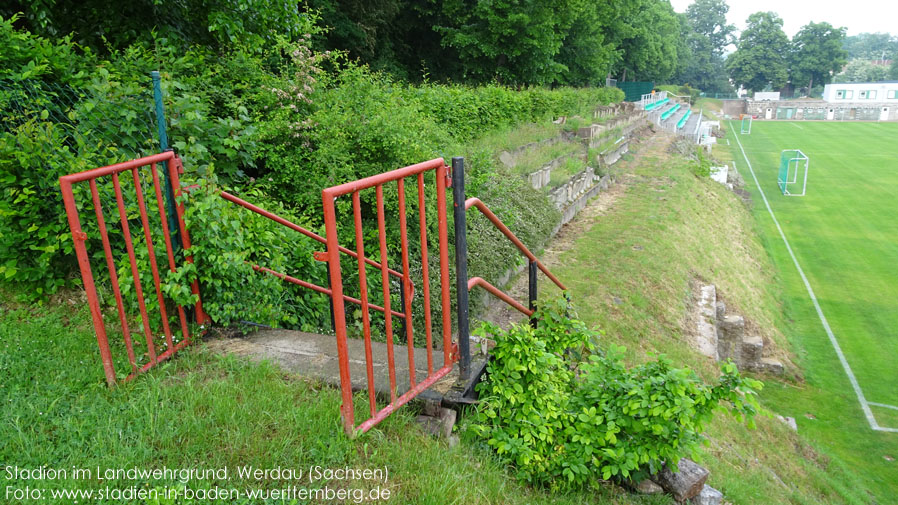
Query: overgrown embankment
630, 273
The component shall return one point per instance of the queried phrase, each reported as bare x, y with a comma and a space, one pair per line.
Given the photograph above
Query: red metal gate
421, 173
171, 168
376, 183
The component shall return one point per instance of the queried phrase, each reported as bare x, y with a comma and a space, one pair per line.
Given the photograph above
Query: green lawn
844, 236
204, 411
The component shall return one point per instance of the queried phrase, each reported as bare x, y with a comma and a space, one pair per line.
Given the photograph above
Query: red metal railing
477, 281
172, 164
314, 236
377, 182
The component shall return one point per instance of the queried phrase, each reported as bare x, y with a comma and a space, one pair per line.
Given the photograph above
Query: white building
858, 92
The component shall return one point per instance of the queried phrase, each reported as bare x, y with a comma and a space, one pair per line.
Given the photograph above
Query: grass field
845, 238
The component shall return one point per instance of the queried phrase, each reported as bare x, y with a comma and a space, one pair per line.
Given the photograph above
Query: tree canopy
871, 46
706, 38
513, 42
817, 54
760, 60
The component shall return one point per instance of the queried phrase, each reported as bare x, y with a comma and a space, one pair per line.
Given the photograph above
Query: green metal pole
170, 204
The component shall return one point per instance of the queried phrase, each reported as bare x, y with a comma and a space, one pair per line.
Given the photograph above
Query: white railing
652, 98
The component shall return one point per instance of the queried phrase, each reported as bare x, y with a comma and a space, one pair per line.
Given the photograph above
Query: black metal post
531, 274
330, 298
402, 330
461, 266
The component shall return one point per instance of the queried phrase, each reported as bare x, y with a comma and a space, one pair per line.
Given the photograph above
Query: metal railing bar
175, 168
132, 258
169, 249
385, 282
479, 281
152, 254
378, 179
406, 280
402, 400
482, 207
425, 274
110, 264
319, 289
363, 296
312, 235
118, 167
443, 232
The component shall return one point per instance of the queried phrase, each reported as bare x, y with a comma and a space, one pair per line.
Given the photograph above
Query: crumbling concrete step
752, 349
315, 356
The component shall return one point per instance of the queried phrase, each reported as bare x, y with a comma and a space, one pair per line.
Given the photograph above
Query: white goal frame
796, 162
743, 130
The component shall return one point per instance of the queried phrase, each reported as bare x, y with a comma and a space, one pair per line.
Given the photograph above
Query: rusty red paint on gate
329, 196
174, 167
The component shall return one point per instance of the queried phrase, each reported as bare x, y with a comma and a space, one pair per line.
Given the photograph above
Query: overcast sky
858, 16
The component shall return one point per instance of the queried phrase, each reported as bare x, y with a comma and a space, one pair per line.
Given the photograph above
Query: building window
862, 95
845, 94
893, 94
871, 95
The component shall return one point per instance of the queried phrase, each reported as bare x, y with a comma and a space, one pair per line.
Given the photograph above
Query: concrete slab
315, 356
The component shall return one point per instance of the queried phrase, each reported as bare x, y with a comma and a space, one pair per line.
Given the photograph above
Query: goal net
746, 125
793, 173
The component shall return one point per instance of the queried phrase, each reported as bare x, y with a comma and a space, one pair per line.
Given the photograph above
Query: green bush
63, 110
227, 241
563, 420
284, 120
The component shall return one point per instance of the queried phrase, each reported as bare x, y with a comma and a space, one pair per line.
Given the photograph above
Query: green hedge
276, 126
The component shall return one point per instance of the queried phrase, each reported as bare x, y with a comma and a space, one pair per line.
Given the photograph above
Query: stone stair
722, 336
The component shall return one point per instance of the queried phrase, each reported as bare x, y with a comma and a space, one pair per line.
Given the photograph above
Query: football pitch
842, 241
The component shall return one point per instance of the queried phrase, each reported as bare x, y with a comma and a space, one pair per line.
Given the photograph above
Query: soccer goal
746, 125
793, 174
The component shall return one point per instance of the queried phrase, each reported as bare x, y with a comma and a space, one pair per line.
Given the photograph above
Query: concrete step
315, 356
691, 123
752, 349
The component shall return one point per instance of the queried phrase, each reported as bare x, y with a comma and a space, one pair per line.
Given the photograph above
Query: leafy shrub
562, 420
228, 240
59, 119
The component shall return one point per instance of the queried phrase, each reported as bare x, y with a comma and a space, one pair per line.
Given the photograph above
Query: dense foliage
817, 54
708, 38
761, 58
563, 412
871, 46
515, 42
276, 124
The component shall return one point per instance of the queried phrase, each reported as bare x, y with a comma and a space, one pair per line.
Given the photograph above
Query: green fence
118, 123
634, 90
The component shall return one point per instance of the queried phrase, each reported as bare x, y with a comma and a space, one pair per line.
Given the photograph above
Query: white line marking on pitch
865, 405
883, 405
795, 125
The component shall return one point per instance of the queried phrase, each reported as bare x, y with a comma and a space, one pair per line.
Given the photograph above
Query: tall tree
761, 56
514, 41
817, 54
707, 38
893, 68
709, 18
587, 54
651, 42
